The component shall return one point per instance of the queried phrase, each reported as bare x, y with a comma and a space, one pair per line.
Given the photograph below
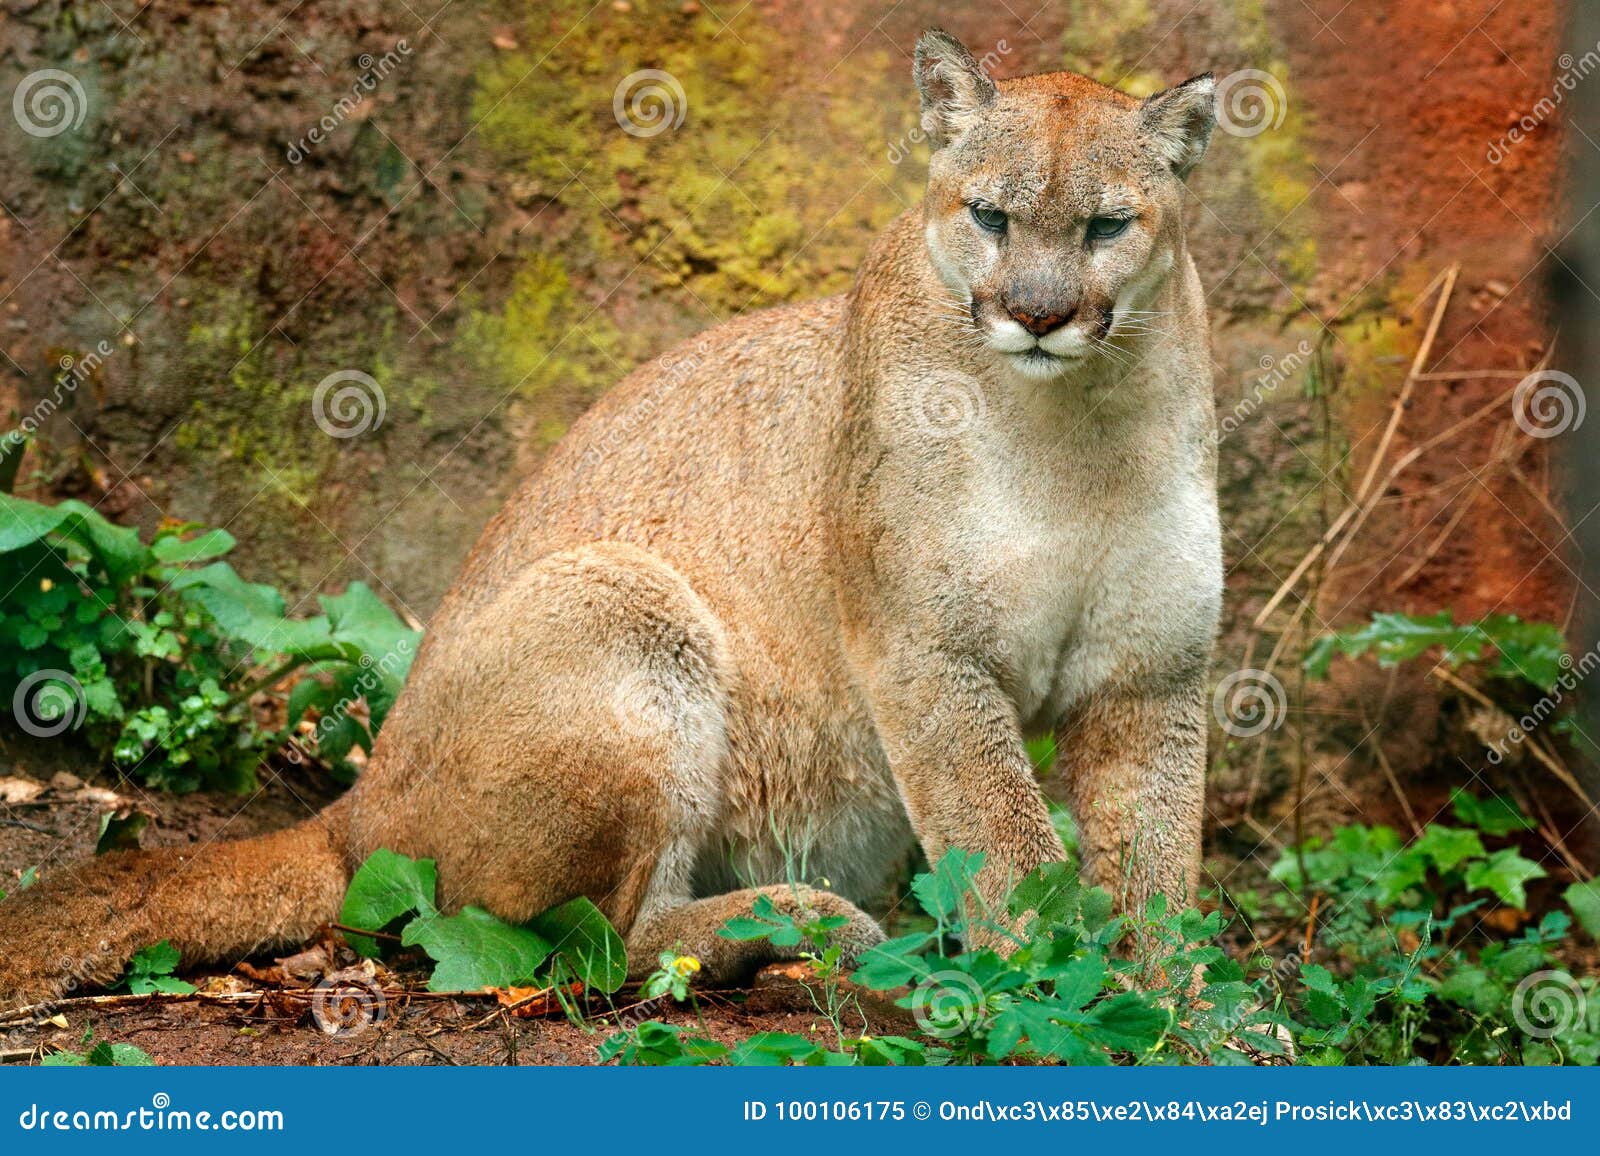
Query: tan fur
792, 596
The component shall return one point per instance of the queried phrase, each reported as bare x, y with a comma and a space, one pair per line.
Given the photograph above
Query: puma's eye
989, 218
1104, 228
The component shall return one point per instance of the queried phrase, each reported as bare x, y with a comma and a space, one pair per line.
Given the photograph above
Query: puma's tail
216, 903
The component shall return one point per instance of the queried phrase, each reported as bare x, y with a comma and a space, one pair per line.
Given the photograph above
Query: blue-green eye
989, 217
1104, 228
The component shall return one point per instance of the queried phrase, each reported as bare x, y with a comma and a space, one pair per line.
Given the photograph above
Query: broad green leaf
1496, 815
1530, 651
474, 950
384, 888
1504, 873
1126, 1023
178, 551
1584, 899
943, 890
1449, 846
581, 934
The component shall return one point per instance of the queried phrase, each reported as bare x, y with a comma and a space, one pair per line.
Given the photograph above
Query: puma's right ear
954, 86
1180, 119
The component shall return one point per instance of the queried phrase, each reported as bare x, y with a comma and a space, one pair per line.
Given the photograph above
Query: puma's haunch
786, 602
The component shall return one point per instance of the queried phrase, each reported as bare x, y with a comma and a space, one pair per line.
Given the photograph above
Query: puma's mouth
1040, 362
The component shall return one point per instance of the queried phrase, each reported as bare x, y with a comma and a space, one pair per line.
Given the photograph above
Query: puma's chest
1087, 588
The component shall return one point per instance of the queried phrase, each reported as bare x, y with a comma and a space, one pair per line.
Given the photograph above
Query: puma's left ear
1180, 121
953, 86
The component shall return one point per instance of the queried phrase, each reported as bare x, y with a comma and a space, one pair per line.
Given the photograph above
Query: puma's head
1054, 205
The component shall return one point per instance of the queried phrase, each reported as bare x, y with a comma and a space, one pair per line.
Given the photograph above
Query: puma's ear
954, 86
1180, 121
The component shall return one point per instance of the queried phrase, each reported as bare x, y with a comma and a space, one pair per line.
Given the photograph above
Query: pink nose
1038, 321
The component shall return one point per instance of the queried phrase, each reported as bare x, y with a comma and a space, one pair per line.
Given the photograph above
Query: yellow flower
45, 585
685, 966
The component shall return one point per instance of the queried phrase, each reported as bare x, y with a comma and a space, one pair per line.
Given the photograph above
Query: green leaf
106, 1055
1530, 651
1584, 899
1496, 815
1504, 873
582, 935
1127, 1023
384, 888
1449, 846
474, 950
176, 551
943, 891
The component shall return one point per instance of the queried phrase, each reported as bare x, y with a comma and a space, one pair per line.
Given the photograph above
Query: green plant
102, 1055
472, 949
154, 649
1530, 651
150, 970
1413, 973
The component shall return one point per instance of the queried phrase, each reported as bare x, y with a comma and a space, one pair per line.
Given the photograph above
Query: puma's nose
1038, 320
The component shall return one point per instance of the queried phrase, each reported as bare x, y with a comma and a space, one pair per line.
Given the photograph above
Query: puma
787, 600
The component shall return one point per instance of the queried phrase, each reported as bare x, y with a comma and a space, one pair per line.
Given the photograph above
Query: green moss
765, 190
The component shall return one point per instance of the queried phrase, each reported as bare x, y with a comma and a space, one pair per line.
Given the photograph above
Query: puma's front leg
955, 749
1133, 761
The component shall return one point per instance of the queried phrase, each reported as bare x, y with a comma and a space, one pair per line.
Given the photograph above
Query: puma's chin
1040, 364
